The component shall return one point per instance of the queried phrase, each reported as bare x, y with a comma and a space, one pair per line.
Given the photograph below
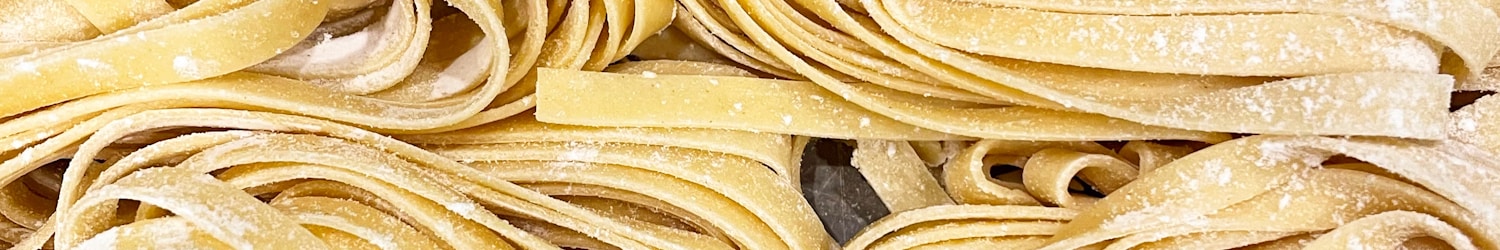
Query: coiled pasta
656, 124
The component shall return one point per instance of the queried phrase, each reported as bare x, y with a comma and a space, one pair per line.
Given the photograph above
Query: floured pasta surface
659, 124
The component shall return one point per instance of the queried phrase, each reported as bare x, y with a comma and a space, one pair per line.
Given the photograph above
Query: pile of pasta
660, 124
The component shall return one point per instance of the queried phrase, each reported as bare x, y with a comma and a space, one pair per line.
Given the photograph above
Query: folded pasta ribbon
1191, 67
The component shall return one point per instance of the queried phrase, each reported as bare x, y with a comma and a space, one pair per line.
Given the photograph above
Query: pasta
656, 124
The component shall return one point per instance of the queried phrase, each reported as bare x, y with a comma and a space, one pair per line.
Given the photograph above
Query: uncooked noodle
655, 124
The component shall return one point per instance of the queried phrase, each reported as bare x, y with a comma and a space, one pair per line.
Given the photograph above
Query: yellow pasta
658, 124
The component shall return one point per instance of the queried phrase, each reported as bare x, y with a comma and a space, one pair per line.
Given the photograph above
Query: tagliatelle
761, 105
1058, 84
249, 150
682, 124
903, 183
966, 226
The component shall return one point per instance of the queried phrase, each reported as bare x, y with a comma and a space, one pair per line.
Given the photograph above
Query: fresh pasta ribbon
455, 84
904, 183
713, 166
159, 153
448, 77
1046, 174
963, 226
1051, 170
1399, 29
892, 56
373, 89
438, 73
1475, 124
761, 105
1048, 170
248, 33
443, 206
1267, 187
1259, 192
1148, 156
719, 205
656, 124
710, 27
1401, 227
780, 153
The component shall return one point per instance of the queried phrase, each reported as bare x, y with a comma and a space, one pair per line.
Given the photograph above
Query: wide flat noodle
905, 183
1054, 86
760, 105
1268, 174
61, 73
656, 124
269, 162
1002, 225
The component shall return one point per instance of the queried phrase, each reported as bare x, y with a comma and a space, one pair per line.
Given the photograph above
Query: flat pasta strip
1051, 83
87, 63
905, 183
1269, 162
823, 114
1027, 221
693, 167
657, 124
225, 148
769, 149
